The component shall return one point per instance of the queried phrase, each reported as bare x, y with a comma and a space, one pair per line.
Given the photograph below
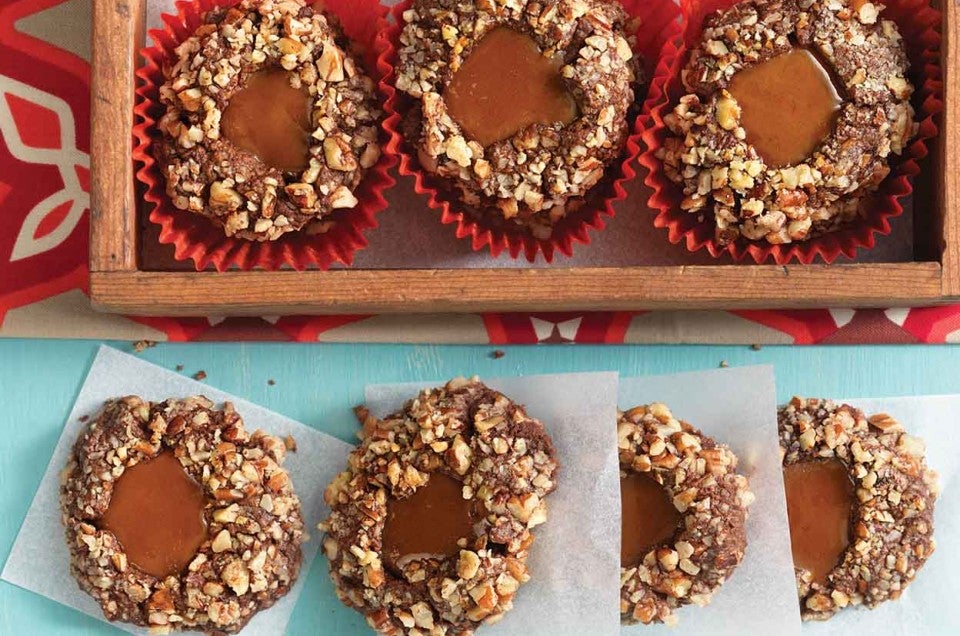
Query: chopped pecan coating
507, 465
700, 477
892, 524
252, 554
207, 174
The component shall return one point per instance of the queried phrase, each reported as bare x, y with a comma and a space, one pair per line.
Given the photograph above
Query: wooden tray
119, 283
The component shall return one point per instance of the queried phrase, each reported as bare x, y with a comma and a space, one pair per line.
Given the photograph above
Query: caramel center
648, 517
428, 523
270, 119
156, 512
505, 85
788, 106
820, 499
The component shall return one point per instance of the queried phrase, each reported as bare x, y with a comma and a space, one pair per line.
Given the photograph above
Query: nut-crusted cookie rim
878, 453
251, 554
505, 461
919, 24
695, 562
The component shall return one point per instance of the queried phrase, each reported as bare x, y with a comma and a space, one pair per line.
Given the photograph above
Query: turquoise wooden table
319, 384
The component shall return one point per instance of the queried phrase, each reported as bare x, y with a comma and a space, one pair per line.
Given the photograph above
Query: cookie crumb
497, 354
200, 375
84, 418
290, 443
142, 345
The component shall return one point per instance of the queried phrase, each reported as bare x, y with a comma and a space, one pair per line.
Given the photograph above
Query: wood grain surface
950, 149
117, 35
461, 290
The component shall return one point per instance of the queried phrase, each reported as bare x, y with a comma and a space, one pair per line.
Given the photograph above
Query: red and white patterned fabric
44, 184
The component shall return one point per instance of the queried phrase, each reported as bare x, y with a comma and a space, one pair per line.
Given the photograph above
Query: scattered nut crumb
361, 412
290, 443
200, 375
755, 347
271, 382
179, 367
497, 354
142, 345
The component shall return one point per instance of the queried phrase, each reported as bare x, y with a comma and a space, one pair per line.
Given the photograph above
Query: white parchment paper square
929, 606
575, 559
40, 561
737, 407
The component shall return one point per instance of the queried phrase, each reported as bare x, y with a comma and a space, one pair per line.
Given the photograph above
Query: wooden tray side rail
118, 285
949, 159
117, 37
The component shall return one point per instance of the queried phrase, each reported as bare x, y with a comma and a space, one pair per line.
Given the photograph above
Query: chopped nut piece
330, 64
342, 198
237, 577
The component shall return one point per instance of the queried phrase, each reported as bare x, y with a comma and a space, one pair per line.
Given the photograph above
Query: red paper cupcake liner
919, 25
659, 22
195, 237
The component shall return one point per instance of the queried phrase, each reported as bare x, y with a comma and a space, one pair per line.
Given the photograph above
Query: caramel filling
156, 513
789, 105
505, 85
820, 498
428, 523
648, 517
270, 119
